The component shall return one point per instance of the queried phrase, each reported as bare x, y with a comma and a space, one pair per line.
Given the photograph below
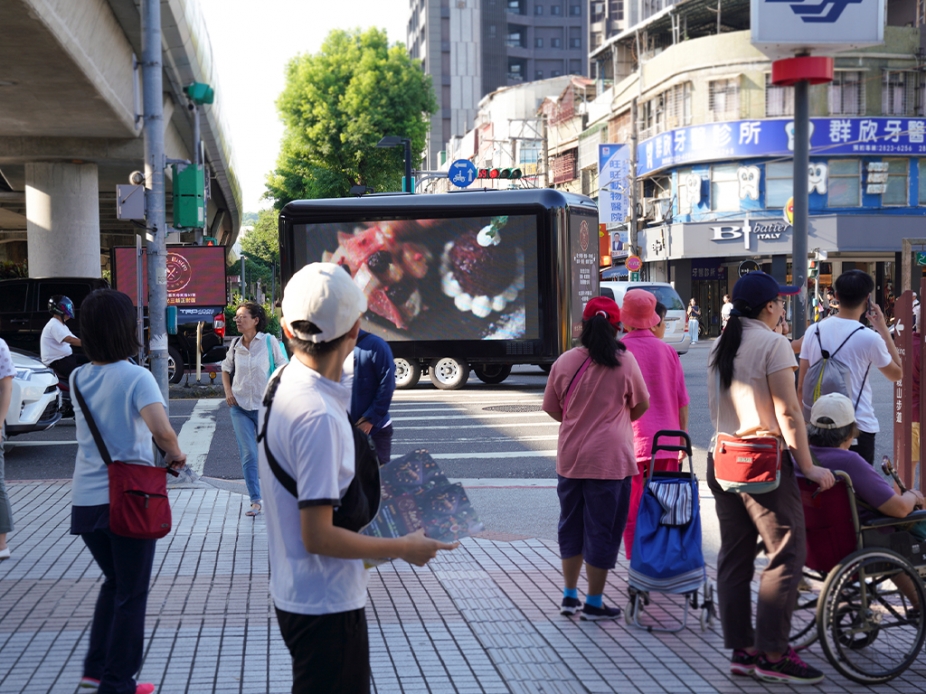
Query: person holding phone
694, 316
861, 349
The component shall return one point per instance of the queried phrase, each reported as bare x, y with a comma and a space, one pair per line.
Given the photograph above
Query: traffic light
210, 241
199, 93
499, 173
813, 269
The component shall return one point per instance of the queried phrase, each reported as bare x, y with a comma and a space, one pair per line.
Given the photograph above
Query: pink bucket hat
639, 309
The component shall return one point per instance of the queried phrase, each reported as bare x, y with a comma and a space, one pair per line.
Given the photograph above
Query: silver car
676, 319
36, 400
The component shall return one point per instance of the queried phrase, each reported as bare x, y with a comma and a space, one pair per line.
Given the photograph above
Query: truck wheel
175, 369
492, 373
448, 373
545, 367
407, 373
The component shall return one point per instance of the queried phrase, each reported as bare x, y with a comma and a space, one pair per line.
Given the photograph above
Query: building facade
473, 47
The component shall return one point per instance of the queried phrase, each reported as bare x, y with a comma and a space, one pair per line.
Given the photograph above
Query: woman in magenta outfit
668, 397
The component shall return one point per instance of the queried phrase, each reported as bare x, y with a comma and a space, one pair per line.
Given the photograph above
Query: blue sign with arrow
462, 173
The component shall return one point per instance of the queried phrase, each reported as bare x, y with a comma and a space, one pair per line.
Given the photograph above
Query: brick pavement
481, 619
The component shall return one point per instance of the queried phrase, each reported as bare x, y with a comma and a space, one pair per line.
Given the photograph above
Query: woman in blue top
129, 411
245, 372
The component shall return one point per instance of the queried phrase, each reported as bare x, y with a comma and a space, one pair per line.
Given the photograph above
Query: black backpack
360, 503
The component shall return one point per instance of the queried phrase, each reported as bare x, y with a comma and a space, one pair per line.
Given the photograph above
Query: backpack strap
861, 327
283, 477
231, 376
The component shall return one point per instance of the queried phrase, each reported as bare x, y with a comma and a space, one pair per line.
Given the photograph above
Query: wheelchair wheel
862, 618
804, 631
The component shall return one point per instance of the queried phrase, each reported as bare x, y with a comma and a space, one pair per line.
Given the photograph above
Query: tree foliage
337, 104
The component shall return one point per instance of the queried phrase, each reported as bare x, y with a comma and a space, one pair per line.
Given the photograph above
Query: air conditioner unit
649, 208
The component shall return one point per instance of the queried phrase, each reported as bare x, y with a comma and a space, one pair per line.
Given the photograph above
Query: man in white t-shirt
863, 349
56, 341
725, 311
317, 579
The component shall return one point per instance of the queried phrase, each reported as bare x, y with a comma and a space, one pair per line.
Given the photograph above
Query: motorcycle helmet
61, 305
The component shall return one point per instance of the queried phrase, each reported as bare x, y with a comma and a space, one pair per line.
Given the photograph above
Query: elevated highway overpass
70, 127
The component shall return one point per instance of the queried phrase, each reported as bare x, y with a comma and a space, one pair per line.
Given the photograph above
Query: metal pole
156, 214
408, 165
139, 294
242, 276
273, 284
801, 194
632, 224
197, 160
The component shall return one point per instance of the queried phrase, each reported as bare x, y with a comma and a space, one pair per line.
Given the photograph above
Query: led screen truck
469, 280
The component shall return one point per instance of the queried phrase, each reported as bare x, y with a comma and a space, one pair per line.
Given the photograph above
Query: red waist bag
138, 504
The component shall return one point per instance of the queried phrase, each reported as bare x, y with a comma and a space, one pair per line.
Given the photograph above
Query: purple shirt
665, 380
870, 486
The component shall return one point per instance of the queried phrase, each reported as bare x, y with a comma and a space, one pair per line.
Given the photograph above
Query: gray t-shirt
115, 394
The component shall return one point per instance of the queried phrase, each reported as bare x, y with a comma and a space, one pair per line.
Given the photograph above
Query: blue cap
757, 288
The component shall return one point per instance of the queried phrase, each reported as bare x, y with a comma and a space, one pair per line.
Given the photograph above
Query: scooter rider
57, 341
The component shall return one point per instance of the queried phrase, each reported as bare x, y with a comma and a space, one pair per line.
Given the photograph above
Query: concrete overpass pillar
63, 219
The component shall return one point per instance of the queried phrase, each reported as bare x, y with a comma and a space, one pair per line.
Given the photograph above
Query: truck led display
195, 275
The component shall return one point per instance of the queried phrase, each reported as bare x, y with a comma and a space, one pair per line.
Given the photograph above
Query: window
538, 74
617, 10
725, 188
516, 6
844, 183
575, 10
898, 93
845, 94
678, 105
529, 150
597, 11
779, 101
897, 172
556, 10
538, 9
597, 39
575, 43
556, 73
491, 31
779, 183
921, 192
515, 38
724, 99
13, 297
556, 43
538, 43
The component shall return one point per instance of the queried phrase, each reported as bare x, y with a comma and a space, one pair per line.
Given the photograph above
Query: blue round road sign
462, 173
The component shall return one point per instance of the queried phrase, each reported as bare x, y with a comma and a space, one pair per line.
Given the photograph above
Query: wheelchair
851, 599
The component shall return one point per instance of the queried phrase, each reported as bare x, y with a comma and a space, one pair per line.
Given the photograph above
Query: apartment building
473, 47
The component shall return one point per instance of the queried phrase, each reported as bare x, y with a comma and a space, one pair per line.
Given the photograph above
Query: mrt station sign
784, 28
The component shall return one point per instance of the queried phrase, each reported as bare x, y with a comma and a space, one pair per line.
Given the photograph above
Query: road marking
196, 434
504, 483
480, 439
454, 427
466, 415
24, 444
490, 455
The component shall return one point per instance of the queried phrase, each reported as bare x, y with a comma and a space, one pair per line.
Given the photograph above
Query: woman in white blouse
245, 372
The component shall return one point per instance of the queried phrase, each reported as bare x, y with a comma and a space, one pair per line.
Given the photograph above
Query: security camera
137, 178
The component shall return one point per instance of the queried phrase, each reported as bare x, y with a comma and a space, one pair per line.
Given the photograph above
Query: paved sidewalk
481, 619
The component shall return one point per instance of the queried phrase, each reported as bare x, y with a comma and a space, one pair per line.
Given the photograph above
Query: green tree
337, 104
261, 249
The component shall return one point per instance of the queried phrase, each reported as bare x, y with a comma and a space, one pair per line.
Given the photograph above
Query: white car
676, 318
36, 400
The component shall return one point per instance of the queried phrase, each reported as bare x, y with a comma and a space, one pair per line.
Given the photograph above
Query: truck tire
407, 373
492, 373
449, 373
175, 368
545, 368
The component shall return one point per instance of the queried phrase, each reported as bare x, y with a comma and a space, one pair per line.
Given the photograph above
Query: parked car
24, 312
676, 319
35, 402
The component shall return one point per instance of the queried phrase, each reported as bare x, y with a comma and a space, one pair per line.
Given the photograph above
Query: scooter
64, 387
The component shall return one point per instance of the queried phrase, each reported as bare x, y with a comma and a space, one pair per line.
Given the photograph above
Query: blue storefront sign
614, 181
775, 138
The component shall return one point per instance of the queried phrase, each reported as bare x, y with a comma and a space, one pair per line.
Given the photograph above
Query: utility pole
632, 223
155, 208
801, 212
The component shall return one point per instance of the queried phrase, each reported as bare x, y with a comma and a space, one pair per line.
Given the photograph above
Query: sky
252, 40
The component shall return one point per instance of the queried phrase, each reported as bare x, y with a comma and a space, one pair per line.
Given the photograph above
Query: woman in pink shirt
595, 390
668, 396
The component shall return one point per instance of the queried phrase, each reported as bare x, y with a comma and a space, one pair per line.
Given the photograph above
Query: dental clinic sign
760, 231
783, 28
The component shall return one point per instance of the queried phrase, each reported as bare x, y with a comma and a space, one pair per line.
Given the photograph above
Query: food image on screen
438, 279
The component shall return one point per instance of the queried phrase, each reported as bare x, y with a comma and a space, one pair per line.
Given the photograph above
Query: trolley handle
666, 433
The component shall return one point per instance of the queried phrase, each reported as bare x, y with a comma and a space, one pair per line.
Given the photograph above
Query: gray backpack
829, 375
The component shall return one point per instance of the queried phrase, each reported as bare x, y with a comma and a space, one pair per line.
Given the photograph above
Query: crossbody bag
138, 503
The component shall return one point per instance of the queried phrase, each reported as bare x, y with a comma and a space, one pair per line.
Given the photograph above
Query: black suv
24, 312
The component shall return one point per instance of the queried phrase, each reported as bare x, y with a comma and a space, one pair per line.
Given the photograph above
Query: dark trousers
865, 446
117, 634
778, 518
331, 652
382, 441
64, 366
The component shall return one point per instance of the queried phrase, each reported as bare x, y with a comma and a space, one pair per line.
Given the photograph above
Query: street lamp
395, 141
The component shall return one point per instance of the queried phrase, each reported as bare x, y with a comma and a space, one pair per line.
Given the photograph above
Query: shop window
897, 174
779, 183
779, 100
724, 188
845, 94
898, 93
844, 183
724, 99
921, 192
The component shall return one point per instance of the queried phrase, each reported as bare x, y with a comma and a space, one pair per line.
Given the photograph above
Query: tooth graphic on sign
748, 177
817, 178
689, 192
789, 129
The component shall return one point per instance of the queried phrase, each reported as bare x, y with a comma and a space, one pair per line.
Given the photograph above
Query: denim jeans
245, 425
6, 511
117, 633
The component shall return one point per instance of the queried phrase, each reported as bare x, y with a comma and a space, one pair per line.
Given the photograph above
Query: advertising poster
471, 278
195, 275
614, 181
583, 249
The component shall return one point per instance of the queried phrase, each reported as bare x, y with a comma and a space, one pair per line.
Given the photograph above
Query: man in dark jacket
371, 391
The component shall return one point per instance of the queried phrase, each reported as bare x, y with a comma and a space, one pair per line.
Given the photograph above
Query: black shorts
331, 652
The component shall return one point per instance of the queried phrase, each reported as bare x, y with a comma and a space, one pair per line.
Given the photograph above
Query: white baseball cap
834, 406
325, 295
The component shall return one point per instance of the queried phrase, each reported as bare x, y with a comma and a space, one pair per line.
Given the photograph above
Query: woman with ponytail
751, 391
596, 391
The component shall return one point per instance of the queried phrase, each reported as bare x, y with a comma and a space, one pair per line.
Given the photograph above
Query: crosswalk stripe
195, 436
